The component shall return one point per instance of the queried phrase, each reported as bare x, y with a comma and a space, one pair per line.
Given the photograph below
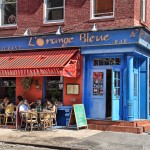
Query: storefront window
98, 83
54, 88
106, 61
8, 88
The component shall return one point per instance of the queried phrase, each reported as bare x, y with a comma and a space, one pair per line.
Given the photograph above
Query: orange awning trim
43, 63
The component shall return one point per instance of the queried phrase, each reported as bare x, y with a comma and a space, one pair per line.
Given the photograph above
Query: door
116, 92
98, 94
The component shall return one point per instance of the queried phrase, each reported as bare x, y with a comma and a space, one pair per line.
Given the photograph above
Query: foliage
26, 83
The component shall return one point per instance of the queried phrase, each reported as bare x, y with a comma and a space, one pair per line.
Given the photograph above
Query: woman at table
4, 104
49, 105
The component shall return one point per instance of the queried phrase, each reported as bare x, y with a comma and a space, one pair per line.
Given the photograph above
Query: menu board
78, 116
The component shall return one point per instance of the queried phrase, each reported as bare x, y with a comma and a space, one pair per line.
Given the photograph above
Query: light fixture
27, 32
59, 31
94, 27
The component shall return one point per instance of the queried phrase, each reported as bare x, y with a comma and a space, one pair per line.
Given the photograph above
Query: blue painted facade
115, 69
130, 78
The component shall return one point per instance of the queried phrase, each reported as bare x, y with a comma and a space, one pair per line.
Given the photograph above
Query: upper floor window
54, 11
143, 10
8, 12
102, 8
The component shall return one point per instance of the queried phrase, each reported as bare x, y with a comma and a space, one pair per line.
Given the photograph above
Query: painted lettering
63, 41
30, 42
85, 38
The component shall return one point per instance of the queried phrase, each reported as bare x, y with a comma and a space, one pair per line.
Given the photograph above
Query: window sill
9, 27
102, 20
53, 24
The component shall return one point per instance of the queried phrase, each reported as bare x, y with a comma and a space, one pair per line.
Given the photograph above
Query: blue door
116, 91
98, 94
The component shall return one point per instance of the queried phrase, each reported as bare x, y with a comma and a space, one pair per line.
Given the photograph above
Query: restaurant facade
106, 70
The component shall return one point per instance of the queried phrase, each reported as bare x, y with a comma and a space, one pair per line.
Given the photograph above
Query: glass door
116, 93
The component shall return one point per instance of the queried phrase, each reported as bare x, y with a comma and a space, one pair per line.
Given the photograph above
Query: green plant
36, 83
26, 83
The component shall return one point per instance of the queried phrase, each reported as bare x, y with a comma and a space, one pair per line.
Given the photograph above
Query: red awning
43, 63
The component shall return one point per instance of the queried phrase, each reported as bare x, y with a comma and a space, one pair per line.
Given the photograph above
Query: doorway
108, 93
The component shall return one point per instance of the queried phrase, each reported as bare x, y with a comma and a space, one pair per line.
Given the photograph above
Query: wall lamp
59, 30
27, 32
94, 27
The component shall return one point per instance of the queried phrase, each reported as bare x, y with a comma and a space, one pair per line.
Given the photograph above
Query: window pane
106, 61
7, 1
103, 8
117, 61
55, 14
9, 13
54, 3
101, 61
96, 62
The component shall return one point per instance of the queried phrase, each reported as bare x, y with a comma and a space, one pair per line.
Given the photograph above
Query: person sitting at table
20, 99
4, 104
24, 106
49, 105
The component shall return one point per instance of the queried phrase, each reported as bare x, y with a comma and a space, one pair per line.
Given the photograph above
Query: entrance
105, 94
108, 93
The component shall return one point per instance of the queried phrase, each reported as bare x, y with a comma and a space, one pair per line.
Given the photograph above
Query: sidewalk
84, 138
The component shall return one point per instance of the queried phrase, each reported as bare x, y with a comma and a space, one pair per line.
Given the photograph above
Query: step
116, 128
146, 127
119, 123
142, 122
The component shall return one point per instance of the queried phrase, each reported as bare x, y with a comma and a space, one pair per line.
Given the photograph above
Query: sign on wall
50, 41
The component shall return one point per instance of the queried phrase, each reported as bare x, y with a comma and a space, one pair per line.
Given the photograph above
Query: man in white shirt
24, 106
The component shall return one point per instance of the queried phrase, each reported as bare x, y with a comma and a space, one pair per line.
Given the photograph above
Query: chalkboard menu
78, 116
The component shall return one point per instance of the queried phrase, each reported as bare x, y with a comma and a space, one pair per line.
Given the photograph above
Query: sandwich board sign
77, 116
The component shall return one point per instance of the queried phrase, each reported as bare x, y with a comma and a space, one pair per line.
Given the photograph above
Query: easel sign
77, 116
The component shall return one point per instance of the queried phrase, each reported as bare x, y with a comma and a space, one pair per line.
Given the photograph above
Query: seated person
24, 106
49, 105
4, 104
20, 99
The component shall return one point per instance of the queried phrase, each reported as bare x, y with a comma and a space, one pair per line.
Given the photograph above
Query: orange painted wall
31, 95
67, 100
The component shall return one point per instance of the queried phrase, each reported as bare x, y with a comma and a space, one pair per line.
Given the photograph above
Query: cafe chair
54, 117
31, 119
2, 119
22, 118
46, 120
9, 114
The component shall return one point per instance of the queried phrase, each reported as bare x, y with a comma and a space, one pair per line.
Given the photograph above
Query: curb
43, 146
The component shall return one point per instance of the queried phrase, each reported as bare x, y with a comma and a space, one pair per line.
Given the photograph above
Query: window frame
103, 17
2, 19
143, 10
45, 21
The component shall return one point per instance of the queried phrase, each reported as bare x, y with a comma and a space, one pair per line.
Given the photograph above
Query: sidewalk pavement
79, 139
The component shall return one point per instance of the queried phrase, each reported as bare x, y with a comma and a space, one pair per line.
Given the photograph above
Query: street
74, 139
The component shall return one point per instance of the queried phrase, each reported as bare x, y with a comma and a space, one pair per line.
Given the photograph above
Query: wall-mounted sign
51, 41
72, 88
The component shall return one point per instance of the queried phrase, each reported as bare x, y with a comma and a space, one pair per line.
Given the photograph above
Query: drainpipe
130, 101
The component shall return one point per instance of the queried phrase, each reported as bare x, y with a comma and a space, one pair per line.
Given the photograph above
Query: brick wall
77, 17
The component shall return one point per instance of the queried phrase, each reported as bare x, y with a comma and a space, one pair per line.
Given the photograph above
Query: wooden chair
31, 119
9, 114
54, 116
2, 118
22, 118
46, 119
